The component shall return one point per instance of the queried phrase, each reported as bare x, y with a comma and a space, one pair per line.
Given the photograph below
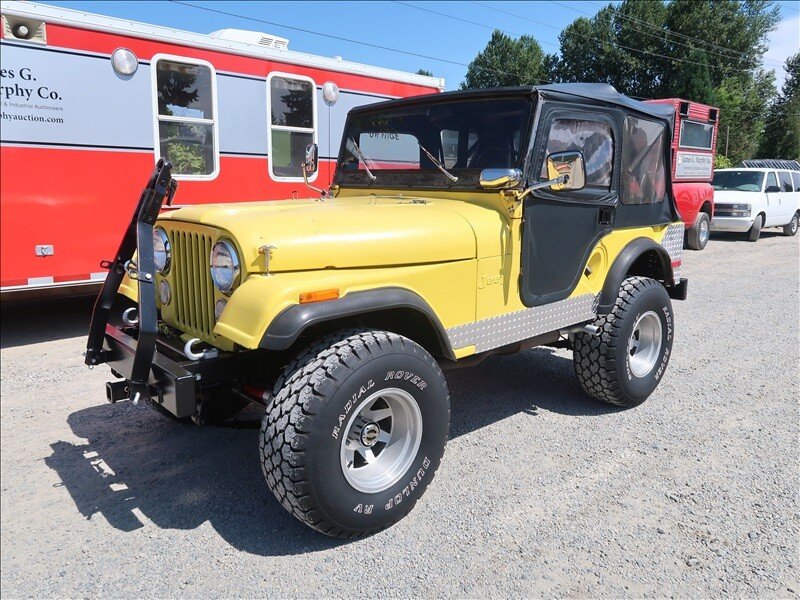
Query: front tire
790, 228
755, 230
698, 234
355, 432
624, 362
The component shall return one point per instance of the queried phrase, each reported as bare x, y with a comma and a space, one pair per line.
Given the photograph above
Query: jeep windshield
738, 181
421, 144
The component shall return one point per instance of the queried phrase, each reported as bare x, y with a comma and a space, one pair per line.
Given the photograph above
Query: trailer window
696, 135
644, 174
185, 95
292, 107
796, 180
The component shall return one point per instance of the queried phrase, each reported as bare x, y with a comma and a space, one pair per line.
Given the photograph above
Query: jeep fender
626, 265
287, 327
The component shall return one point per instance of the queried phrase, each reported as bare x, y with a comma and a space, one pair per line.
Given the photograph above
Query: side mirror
311, 161
566, 170
309, 167
493, 179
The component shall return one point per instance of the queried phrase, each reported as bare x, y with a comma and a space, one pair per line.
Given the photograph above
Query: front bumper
172, 384
175, 382
736, 224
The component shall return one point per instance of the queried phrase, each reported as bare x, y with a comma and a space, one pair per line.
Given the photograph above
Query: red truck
694, 146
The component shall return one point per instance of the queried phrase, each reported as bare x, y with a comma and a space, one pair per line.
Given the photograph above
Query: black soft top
593, 92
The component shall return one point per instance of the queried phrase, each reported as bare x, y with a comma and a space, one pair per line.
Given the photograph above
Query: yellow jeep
458, 225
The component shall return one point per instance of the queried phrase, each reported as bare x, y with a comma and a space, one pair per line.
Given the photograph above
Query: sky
455, 36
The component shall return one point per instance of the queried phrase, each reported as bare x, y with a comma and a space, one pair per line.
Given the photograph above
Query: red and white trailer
694, 146
89, 103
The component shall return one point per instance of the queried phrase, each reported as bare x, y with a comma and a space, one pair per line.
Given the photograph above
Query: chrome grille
194, 291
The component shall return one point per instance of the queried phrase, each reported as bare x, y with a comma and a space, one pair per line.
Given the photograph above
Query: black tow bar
138, 238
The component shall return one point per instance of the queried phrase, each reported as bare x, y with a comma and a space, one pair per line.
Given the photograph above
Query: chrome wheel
644, 345
381, 440
704, 232
793, 225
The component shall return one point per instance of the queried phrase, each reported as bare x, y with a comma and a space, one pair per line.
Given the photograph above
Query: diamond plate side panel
673, 244
502, 330
673, 241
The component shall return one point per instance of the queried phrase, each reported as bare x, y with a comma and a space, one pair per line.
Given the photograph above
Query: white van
749, 199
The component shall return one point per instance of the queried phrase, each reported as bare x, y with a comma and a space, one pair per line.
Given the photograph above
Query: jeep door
561, 229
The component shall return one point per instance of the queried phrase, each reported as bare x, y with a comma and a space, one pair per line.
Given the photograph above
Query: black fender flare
287, 327
622, 265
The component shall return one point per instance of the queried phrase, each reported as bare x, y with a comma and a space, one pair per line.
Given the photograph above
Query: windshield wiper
354, 149
439, 165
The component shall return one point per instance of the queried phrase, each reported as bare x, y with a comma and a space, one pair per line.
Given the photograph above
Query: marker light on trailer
124, 62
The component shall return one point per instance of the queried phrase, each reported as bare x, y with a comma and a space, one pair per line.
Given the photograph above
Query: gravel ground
541, 492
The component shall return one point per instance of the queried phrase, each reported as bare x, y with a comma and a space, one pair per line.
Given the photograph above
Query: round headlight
124, 62
224, 266
161, 250
164, 293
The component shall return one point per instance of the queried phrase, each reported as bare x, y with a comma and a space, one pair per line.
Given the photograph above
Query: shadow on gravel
180, 476
726, 236
527, 382
27, 323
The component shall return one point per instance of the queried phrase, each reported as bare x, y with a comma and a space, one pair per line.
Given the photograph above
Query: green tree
781, 137
734, 33
722, 162
617, 46
587, 50
695, 83
741, 100
424, 72
506, 61
703, 50
639, 57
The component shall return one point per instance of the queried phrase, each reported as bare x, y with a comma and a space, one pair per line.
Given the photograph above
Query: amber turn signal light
319, 296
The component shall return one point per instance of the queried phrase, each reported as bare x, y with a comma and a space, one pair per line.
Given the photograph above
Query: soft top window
396, 145
593, 138
644, 175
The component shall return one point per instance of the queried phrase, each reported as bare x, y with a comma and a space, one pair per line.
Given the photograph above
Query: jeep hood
336, 233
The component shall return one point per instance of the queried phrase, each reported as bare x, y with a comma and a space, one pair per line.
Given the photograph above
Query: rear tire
790, 228
355, 431
624, 362
755, 230
698, 234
